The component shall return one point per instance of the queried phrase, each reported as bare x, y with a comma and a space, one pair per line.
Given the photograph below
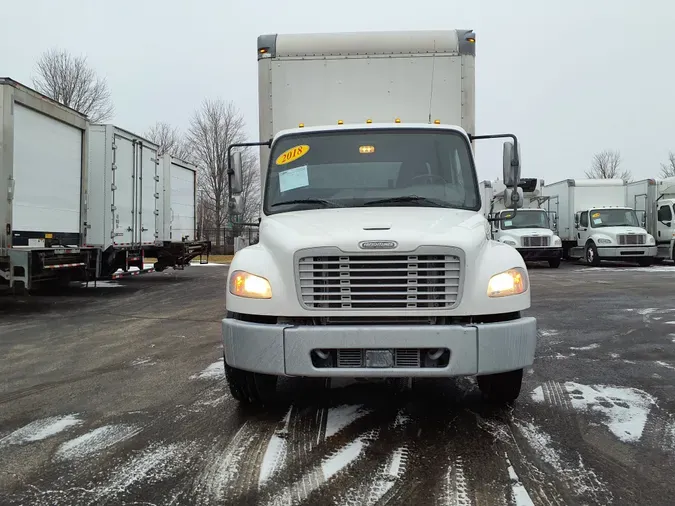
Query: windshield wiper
406, 198
325, 202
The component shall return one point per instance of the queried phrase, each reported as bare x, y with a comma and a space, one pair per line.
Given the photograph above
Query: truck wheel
250, 387
501, 388
645, 262
554, 264
591, 253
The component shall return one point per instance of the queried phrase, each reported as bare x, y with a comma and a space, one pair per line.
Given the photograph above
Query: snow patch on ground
152, 465
625, 409
214, 371
143, 361
210, 264
95, 441
346, 455
275, 455
583, 481
519, 494
664, 364
340, 417
537, 394
548, 332
401, 419
653, 268
40, 429
585, 348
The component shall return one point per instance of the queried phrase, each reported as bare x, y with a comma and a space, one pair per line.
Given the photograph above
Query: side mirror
236, 204
236, 176
513, 198
511, 165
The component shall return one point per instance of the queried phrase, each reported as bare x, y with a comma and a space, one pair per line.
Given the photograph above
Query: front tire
502, 388
645, 262
554, 264
251, 388
591, 255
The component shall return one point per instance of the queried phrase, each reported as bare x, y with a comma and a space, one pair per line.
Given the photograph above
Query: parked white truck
373, 258
529, 228
595, 224
653, 201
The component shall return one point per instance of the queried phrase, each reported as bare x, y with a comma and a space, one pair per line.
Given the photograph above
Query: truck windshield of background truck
358, 168
524, 219
613, 218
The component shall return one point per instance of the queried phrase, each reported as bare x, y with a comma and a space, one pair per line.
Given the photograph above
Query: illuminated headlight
650, 239
245, 284
604, 241
512, 282
509, 242
557, 242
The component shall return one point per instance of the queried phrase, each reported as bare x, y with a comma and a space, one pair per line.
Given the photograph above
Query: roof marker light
437, 122
369, 121
301, 125
397, 120
340, 122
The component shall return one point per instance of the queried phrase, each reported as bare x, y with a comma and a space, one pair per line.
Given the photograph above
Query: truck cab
528, 229
373, 260
613, 233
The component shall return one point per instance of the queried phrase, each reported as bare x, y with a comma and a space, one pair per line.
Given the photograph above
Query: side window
665, 213
583, 221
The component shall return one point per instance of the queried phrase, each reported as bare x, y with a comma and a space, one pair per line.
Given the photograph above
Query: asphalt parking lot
116, 395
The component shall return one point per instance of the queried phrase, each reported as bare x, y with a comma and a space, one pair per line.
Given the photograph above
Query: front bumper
285, 350
540, 253
624, 252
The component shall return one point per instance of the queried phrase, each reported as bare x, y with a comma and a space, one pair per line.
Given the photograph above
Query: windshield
613, 218
358, 168
524, 219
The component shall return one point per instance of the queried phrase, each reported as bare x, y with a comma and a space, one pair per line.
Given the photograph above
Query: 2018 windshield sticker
293, 178
292, 154
595, 215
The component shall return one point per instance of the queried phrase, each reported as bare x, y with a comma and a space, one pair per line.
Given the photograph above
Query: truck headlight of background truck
604, 241
511, 282
245, 284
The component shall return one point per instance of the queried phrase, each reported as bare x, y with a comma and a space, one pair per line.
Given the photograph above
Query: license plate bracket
379, 359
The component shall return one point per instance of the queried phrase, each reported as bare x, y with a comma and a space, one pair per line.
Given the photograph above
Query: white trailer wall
180, 193
125, 205
41, 169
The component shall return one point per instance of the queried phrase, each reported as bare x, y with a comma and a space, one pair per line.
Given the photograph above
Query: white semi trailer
653, 201
527, 229
373, 258
84, 202
595, 224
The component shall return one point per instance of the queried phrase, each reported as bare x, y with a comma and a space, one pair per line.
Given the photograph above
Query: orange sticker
292, 154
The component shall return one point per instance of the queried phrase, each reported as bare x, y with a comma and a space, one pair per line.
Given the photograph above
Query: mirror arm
230, 170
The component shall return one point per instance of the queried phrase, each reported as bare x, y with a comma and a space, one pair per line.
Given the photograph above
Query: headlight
604, 241
557, 242
510, 243
245, 284
650, 239
512, 282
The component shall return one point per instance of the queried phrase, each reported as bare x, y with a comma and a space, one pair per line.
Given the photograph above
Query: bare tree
214, 126
668, 169
69, 80
169, 140
605, 165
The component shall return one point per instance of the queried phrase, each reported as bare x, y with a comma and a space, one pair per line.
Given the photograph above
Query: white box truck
595, 224
373, 257
528, 229
42, 169
653, 201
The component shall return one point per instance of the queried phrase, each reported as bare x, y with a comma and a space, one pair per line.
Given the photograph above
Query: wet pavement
116, 395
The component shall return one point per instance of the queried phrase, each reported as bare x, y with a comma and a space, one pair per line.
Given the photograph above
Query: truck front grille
632, 239
379, 281
533, 241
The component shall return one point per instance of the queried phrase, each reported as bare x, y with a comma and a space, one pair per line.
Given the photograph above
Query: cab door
664, 224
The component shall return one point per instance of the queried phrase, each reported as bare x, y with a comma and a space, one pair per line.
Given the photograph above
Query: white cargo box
124, 196
42, 169
180, 199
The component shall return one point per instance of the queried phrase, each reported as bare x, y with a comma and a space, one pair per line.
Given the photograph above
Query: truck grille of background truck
529, 241
379, 281
632, 239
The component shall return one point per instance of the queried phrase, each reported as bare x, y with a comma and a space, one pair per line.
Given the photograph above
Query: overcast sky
569, 78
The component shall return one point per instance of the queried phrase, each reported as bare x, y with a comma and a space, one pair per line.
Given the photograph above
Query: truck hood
527, 232
410, 227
